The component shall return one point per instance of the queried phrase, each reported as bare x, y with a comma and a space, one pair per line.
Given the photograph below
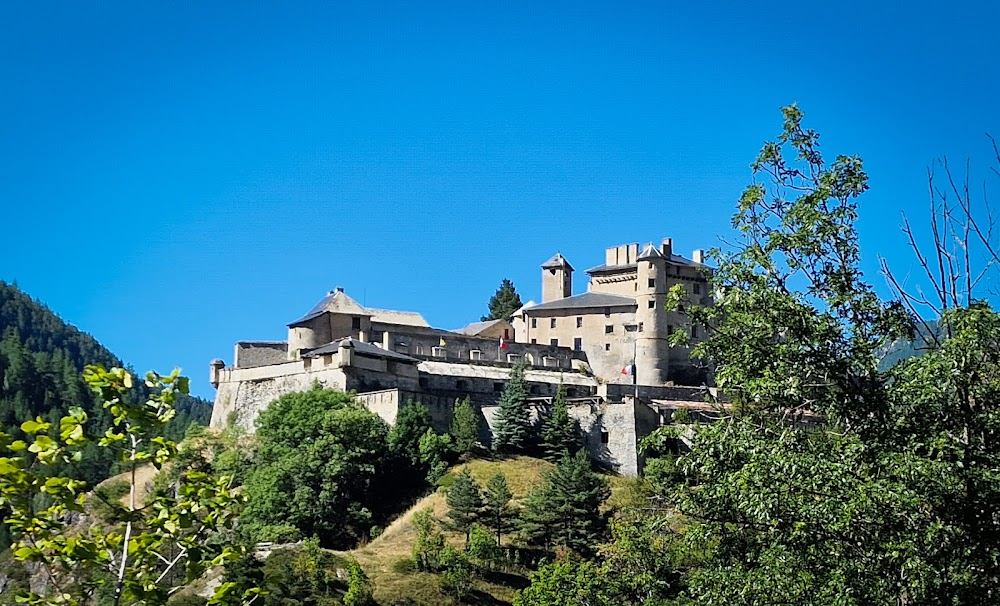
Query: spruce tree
560, 433
465, 503
465, 426
565, 510
497, 510
504, 303
512, 429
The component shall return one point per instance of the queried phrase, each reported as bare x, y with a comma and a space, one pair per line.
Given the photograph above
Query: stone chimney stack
667, 248
698, 256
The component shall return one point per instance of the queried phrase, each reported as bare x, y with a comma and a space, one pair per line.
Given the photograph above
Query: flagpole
635, 367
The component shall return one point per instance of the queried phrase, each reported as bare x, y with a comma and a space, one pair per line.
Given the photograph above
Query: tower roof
556, 262
650, 252
335, 301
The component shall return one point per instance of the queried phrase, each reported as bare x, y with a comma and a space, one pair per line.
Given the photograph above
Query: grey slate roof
650, 252
361, 349
335, 300
556, 262
588, 299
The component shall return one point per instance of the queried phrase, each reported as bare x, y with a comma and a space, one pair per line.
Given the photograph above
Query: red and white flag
629, 370
503, 344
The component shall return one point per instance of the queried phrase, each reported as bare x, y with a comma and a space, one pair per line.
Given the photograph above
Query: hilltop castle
608, 346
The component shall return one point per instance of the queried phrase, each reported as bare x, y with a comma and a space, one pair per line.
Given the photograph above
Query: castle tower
557, 279
652, 350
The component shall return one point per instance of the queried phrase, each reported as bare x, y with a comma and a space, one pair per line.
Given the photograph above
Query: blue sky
178, 176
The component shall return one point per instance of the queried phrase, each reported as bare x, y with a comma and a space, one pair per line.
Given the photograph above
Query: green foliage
466, 425
435, 453
301, 574
504, 302
412, 422
319, 460
465, 503
512, 429
565, 509
429, 543
498, 513
560, 432
159, 545
569, 582
482, 547
360, 590
456, 572
881, 501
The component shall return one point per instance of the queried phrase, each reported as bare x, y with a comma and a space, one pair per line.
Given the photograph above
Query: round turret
652, 350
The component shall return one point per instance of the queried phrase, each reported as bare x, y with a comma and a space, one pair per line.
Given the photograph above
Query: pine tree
565, 510
512, 429
465, 503
497, 510
465, 425
504, 302
560, 433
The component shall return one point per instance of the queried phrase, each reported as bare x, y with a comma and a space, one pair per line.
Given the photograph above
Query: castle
608, 346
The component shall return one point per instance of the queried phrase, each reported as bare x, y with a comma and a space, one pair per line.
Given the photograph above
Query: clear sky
178, 176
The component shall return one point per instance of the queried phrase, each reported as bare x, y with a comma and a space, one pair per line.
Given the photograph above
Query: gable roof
392, 316
360, 348
478, 327
586, 300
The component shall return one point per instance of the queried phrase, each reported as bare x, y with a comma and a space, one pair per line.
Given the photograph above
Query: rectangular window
534, 322
506, 334
550, 361
609, 329
534, 341
513, 358
640, 326
651, 304
607, 347
670, 329
554, 342
355, 323
552, 323
694, 332
439, 352
605, 436
652, 282
475, 354
578, 344
579, 322
697, 288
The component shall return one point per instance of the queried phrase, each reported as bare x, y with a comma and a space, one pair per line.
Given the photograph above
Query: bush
359, 586
456, 572
483, 549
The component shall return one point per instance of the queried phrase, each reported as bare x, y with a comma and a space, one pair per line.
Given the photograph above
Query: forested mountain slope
41, 361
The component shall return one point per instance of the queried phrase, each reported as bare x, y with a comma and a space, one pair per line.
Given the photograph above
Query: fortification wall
246, 392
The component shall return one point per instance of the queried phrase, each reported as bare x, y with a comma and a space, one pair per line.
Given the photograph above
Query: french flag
503, 343
629, 371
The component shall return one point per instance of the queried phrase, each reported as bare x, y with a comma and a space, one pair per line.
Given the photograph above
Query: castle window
475, 354
506, 334
694, 332
640, 326
607, 311
550, 361
554, 342
534, 341
605, 436
579, 322
609, 329
355, 323
607, 347
439, 352
652, 282
552, 323
577, 344
697, 288
651, 304
670, 329
534, 322
513, 358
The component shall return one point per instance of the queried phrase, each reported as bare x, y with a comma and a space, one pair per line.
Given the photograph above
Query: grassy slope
386, 559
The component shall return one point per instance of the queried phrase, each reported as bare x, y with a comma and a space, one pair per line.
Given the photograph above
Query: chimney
667, 248
698, 256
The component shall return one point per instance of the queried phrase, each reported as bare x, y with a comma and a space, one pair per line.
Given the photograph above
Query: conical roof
335, 301
556, 262
650, 252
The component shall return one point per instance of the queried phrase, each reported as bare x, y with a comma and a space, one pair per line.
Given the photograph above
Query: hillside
41, 361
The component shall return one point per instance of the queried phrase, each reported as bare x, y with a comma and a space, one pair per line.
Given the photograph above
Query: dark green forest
41, 361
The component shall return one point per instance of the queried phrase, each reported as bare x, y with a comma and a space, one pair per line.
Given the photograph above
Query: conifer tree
465, 426
560, 433
512, 430
498, 513
465, 503
565, 510
504, 303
